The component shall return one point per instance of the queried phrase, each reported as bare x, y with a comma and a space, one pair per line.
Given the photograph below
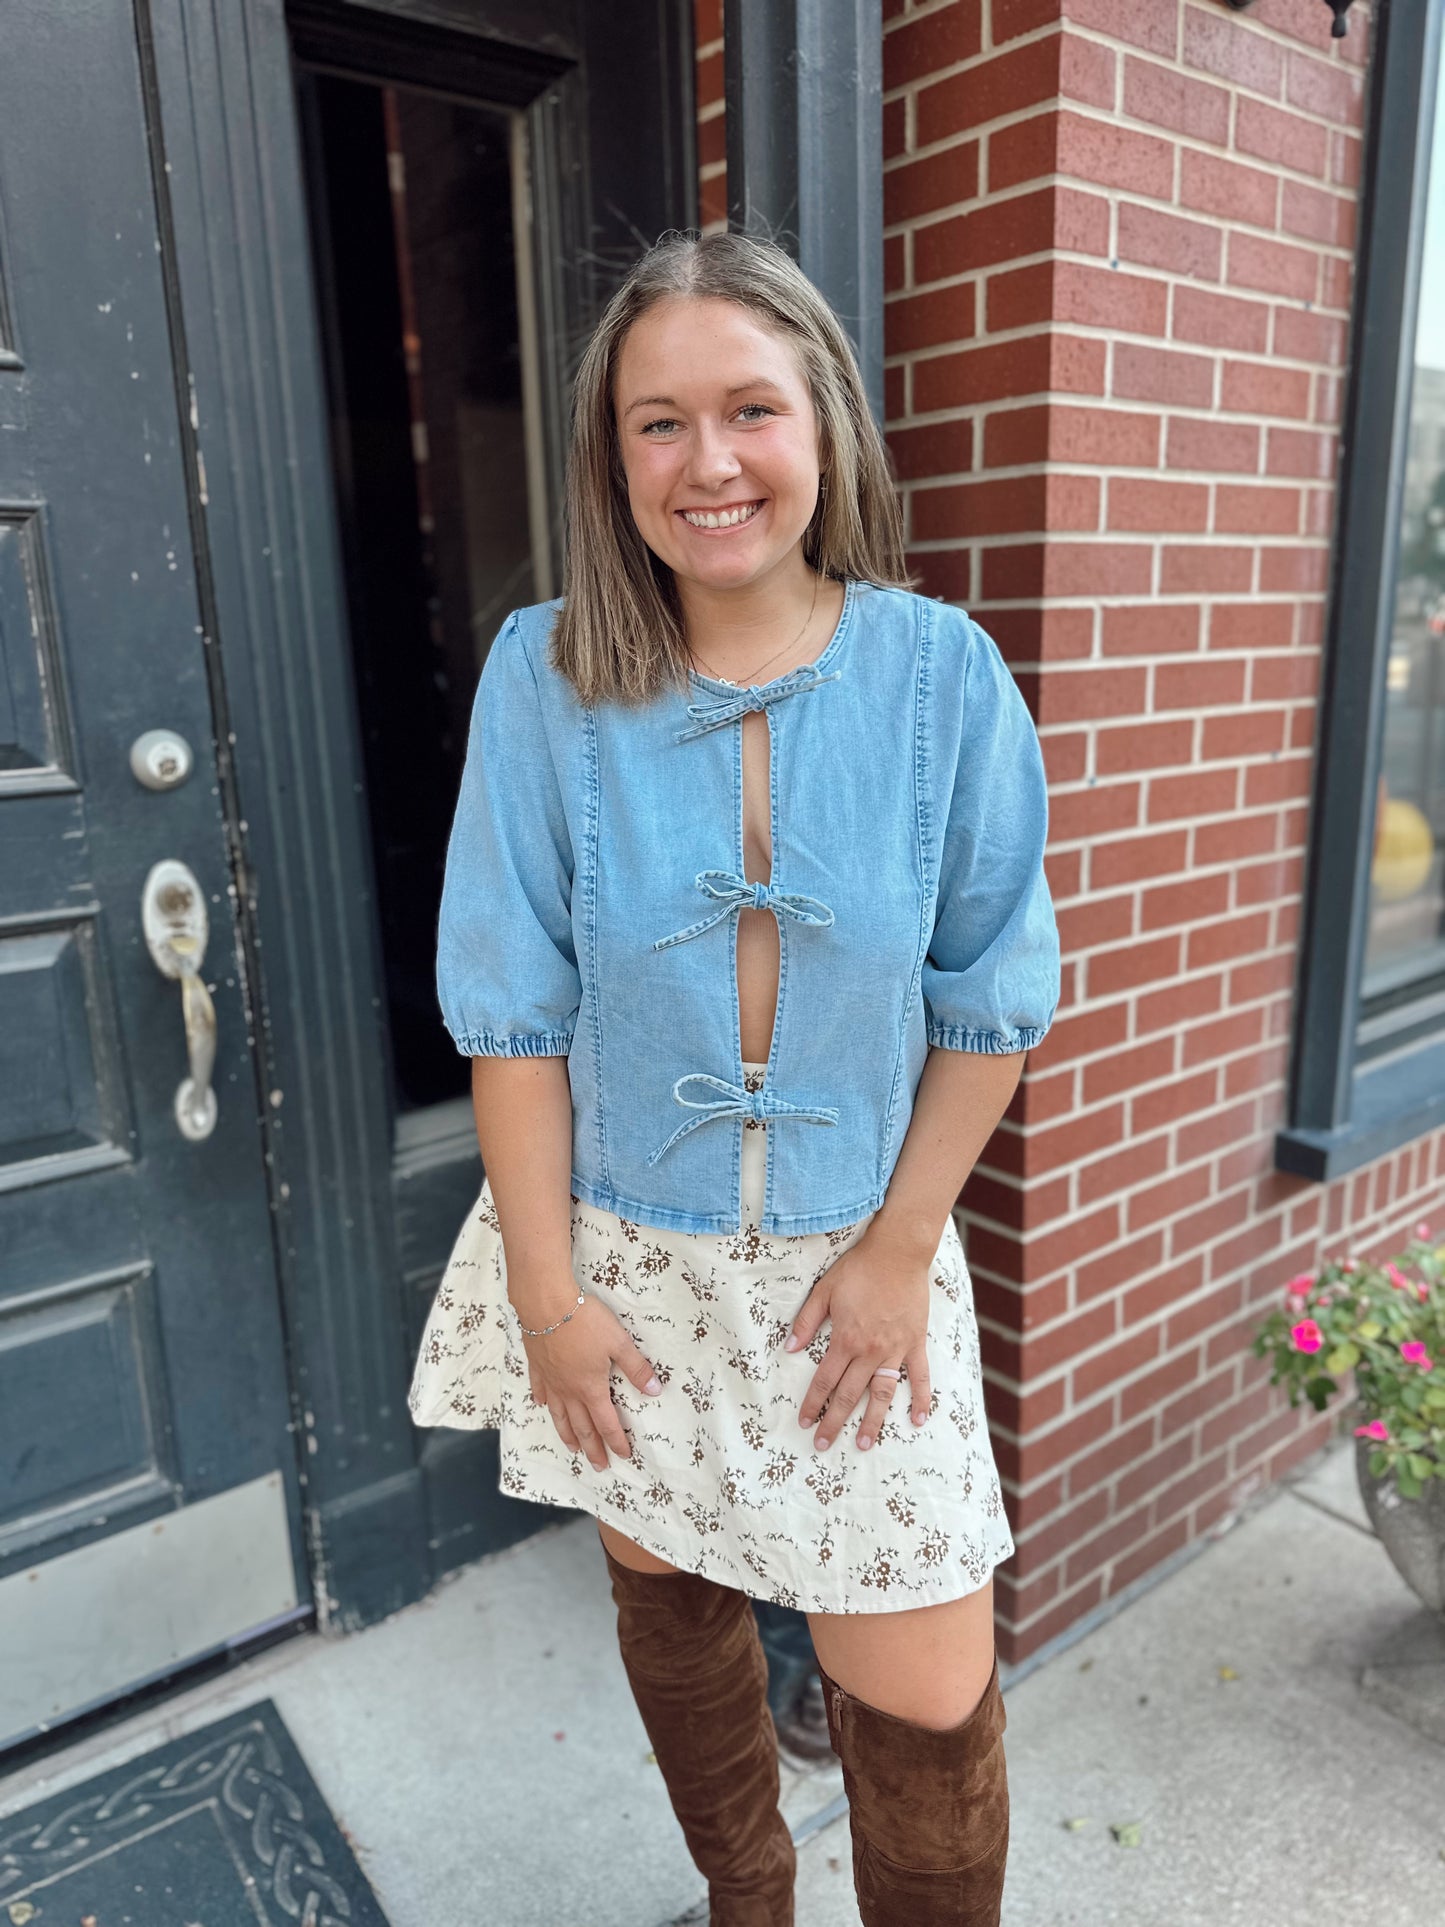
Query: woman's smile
724, 520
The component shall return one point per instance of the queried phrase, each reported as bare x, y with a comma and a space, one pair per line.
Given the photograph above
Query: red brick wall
1119, 240
712, 167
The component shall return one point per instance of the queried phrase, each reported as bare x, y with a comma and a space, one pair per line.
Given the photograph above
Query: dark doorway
423, 316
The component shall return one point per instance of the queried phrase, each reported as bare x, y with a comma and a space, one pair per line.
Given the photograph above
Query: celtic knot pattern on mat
243, 1772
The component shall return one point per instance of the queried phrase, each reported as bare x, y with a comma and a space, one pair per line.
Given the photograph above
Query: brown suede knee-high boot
928, 1809
700, 1678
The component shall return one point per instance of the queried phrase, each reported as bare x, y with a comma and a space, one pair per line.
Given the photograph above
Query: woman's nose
713, 461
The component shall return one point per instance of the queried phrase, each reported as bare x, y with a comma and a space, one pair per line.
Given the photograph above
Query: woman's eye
665, 423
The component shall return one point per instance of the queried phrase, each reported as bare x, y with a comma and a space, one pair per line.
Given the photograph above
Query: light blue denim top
596, 865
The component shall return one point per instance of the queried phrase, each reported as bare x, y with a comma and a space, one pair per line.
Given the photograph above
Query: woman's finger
809, 1320
563, 1424
586, 1431
881, 1390
920, 1381
822, 1385
610, 1426
851, 1387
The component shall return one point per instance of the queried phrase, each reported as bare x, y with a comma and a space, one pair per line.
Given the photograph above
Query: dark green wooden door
148, 1487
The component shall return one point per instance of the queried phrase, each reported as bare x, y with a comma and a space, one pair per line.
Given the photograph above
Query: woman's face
715, 421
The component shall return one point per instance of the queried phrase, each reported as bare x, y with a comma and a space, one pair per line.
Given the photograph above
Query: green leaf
1128, 1833
1343, 1358
1371, 1328
1318, 1391
1379, 1464
1420, 1467
1074, 1825
1408, 1488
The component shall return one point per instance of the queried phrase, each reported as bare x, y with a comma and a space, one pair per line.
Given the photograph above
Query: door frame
375, 1491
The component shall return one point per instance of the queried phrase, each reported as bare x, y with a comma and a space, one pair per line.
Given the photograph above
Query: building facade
1149, 296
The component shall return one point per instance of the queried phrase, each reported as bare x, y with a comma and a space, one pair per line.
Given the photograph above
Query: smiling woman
724, 487
739, 695
719, 384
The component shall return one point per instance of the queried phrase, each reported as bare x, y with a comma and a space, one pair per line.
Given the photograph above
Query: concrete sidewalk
483, 1753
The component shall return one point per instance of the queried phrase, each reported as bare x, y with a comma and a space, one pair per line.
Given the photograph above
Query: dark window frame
1349, 1101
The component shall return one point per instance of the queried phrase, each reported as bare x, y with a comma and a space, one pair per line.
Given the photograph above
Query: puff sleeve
507, 977
991, 975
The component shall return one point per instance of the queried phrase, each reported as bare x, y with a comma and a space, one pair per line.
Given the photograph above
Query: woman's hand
571, 1376
877, 1295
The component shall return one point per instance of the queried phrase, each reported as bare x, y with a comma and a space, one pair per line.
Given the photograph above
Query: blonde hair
619, 634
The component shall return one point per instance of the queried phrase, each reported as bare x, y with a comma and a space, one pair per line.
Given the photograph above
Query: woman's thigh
628, 1553
929, 1664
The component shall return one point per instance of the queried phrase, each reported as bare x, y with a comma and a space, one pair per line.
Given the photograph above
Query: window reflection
1406, 940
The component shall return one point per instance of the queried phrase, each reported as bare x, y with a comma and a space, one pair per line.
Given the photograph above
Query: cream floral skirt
723, 1480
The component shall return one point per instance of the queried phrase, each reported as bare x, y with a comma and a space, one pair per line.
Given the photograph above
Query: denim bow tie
737, 1102
734, 890
724, 709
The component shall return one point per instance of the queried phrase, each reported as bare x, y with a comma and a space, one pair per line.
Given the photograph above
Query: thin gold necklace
817, 579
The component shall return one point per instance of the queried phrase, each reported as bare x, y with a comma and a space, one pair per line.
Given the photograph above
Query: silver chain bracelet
561, 1321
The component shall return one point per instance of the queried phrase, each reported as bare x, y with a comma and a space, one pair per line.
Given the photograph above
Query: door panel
141, 1359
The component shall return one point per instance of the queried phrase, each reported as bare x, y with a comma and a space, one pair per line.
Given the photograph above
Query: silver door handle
173, 916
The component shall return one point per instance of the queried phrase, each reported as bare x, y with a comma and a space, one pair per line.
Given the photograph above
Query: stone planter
1412, 1531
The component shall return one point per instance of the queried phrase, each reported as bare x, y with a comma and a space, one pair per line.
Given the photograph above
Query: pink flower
1296, 1292
1349, 1264
1306, 1336
1424, 1291
1414, 1353
1397, 1278
1422, 1230
1376, 1429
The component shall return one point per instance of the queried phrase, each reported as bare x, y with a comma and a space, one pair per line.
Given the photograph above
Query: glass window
1405, 948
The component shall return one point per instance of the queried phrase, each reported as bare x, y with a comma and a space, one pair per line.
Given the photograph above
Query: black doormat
224, 1828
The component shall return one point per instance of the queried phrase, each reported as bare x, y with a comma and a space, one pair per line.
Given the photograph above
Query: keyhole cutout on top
758, 948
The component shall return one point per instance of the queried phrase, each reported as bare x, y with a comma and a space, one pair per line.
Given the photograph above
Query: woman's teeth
729, 519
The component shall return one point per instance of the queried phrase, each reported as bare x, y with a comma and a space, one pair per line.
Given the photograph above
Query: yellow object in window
1404, 850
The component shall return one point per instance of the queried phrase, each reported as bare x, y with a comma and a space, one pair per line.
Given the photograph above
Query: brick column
1119, 258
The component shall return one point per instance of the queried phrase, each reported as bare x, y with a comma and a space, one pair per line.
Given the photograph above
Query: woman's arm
991, 984
961, 1097
523, 1109
877, 1293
